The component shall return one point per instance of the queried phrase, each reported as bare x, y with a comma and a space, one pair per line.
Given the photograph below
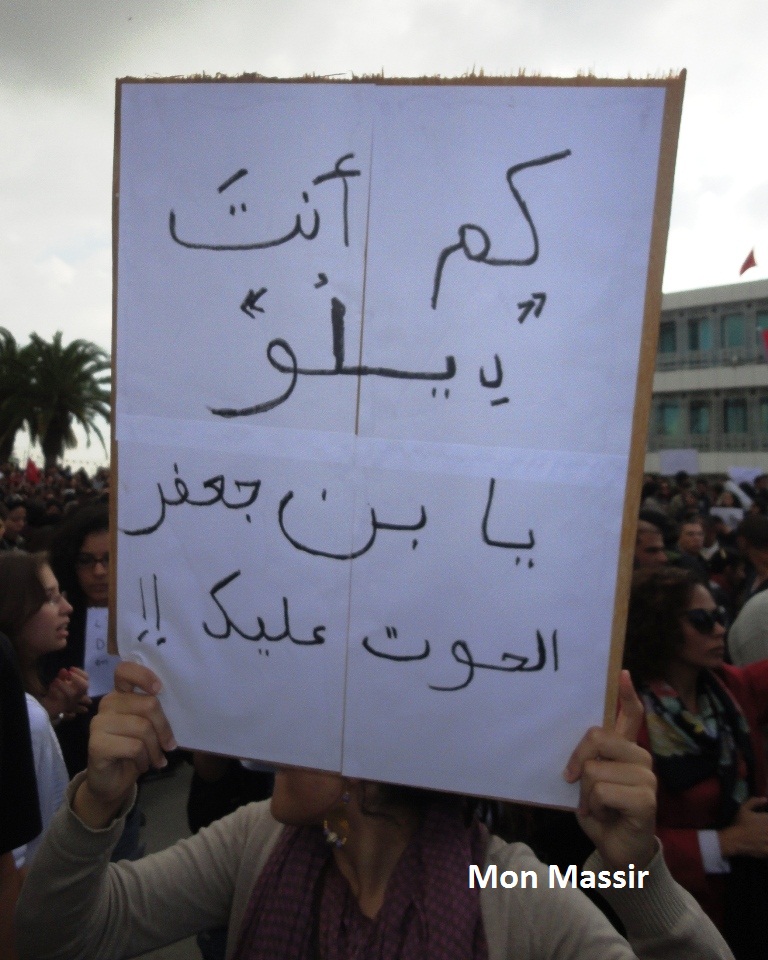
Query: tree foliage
49, 387
14, 391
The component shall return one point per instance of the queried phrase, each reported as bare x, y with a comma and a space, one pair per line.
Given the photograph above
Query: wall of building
710, 389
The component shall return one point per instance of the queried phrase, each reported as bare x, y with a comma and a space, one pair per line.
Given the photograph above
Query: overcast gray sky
59, 60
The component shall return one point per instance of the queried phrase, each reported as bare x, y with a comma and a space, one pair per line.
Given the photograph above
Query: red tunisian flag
749, 262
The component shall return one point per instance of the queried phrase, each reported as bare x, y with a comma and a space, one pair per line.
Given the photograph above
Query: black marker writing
338, 312
261, 634
340, 174
376, 525
144, 633
251, 302
470, 234
216, 484
507, 544
298, 229
396, 657
462, 655
496, 381
536, 303
233, 179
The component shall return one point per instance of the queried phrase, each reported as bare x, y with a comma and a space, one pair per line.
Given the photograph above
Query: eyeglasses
705, 620
55, 597
90, 560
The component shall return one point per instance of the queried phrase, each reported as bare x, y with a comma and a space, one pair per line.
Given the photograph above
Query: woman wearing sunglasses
702, 726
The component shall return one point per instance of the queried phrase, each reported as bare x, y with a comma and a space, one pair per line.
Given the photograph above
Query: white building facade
710, 389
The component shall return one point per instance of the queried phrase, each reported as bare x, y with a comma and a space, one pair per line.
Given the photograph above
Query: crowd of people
33, 502
336, 867
697, 650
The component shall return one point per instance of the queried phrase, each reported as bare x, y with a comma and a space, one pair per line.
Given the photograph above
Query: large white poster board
377, 349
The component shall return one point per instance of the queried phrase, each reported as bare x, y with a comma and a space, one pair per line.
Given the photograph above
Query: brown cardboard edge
673, 106
471, 79
113, 463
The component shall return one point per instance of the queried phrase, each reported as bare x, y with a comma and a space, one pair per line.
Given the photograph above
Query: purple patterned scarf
302, 908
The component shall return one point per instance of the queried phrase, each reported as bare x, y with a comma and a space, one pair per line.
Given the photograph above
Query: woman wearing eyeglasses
702, 726
80, 559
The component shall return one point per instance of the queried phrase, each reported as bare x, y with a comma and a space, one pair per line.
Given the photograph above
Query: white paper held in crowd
377, 356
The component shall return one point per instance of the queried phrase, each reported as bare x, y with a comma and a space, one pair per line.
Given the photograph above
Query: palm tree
68, 385
16, 410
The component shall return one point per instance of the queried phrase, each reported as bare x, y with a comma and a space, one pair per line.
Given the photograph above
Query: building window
668, 421
761, 323
668, 337
732, 330
700, 417
735, 416
700, 333
764, 415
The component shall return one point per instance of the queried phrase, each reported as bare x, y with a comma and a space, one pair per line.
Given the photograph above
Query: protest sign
673, 461
383, 364
744, 474
98, 662
731, 516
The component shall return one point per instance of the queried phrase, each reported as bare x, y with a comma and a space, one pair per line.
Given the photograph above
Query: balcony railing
704, 443
721, 357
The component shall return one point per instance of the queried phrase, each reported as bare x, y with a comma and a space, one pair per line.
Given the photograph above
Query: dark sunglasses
704, 620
